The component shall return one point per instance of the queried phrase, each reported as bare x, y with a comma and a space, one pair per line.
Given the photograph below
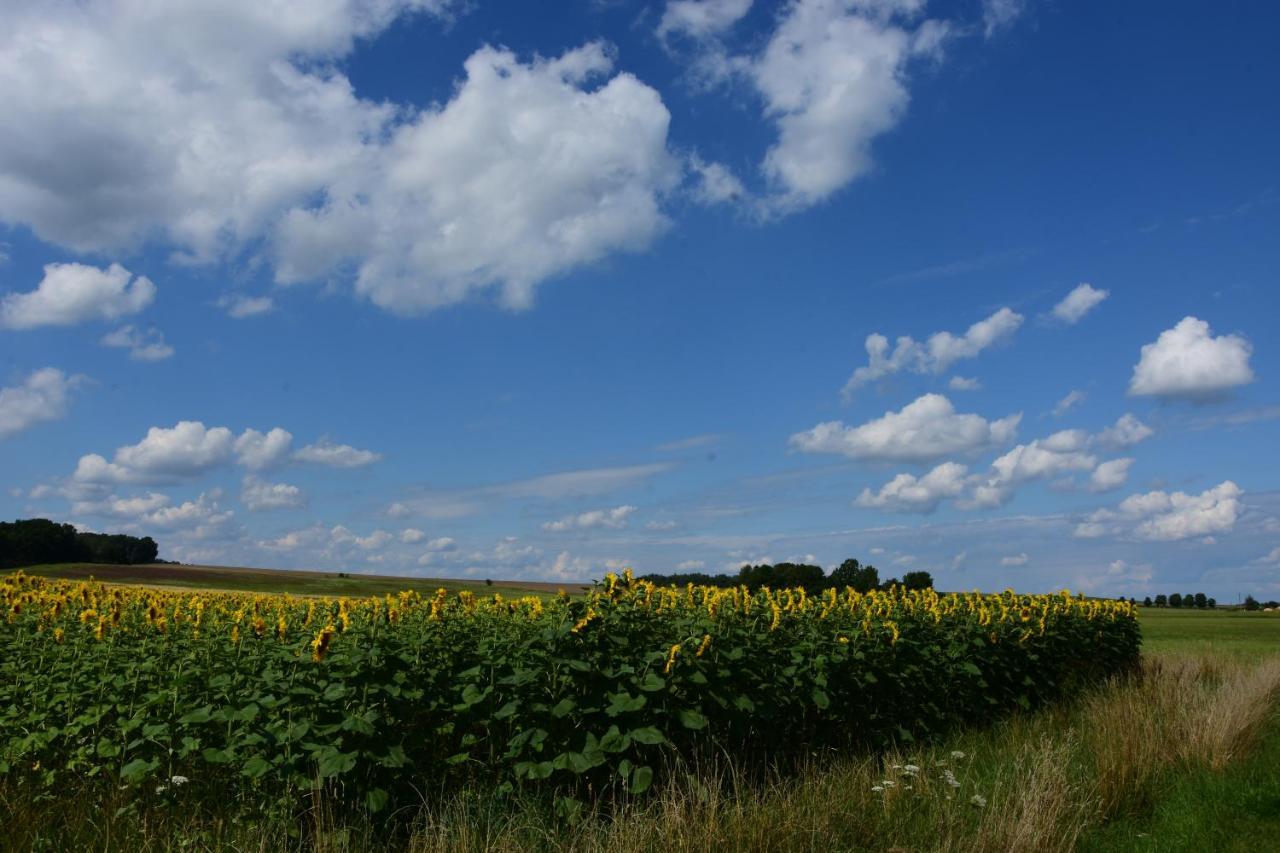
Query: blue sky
526, 290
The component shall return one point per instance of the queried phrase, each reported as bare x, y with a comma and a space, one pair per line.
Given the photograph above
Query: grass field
1225, 632
281, 581
1184, 757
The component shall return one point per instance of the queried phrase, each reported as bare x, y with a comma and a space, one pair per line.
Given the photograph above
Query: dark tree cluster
33, 541
1196, 600
863, 578
1251, 604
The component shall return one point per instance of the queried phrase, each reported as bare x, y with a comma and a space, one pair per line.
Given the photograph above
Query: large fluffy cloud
908, 493
833, 77
190, 449
1188, 362
1168, 516
925, 430
216, 127
934, 355
525, 174
44, 395
75, 293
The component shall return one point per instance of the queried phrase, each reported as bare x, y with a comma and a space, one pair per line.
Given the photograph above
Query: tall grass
1034, 783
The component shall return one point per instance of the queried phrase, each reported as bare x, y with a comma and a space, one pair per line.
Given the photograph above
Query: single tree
1250, 603
1146, 602
1175, 600
1162, 600
1201, 600
851, 573
917, 580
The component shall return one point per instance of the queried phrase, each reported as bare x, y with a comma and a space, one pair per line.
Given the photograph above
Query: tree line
33, 541
813, 579
1197, 600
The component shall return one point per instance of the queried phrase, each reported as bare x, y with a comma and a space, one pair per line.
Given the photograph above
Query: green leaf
200, 715
641, 779
138, 769
256, 767
376, 800
821, 699
693, 719
562, 707
647, 735
652, 681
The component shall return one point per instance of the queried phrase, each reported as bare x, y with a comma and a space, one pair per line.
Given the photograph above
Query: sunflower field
381, 698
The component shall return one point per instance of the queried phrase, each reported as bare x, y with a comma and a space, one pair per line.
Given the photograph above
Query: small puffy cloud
132, 507
1065, 405
908, 493
1111, 474
146, 345
44, 395
701, 19
1272, 558
259, 495
1187, 362
691, 566
934, 355
166, 454
614, 519
714, 183
964, 383
411, 535
1079, 302
324, 452
1015, 560
199, 515
239, 306
925, 430
257, 451
1000, 15
442, 545
1168, 516
1126, 432
75, 293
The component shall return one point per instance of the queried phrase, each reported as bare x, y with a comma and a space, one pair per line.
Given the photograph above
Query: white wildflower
878, 789
178, 780
978, 800
957, 755
911, 770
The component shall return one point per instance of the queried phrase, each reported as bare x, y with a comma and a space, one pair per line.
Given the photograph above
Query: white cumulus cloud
1188, 362
700, 19
75, 293
257, 451
614, 518
1126, 432
239, 306
1015, 560
833, 77
1168, 516
336, 455
166, 454
529, 171
925, 430
44, 395
908, 493
1079, 302
258, 495
933, 355
142, 345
